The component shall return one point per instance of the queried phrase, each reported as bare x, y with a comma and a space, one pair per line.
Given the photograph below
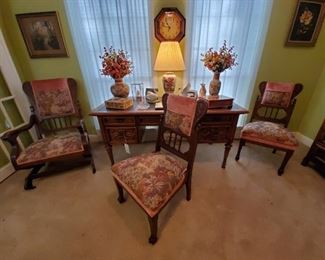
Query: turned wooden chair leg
120, 198
90, 157
153, 222
188, 189
241, 144
31, 176
284, 162
93, 164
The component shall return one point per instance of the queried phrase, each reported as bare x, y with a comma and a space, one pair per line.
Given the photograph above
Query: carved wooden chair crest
59, 127
270, 118
152, 179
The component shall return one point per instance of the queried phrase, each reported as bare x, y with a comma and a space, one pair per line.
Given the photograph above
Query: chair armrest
11, 135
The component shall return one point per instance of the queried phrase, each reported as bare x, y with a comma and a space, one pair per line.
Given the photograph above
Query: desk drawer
210, 134
119, 120
121, 135
217, 119
148, 120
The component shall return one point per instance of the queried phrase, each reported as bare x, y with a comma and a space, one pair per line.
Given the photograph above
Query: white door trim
12, 78
14, 84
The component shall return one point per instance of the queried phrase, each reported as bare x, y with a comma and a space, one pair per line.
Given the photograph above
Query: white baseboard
6, 171
304, 139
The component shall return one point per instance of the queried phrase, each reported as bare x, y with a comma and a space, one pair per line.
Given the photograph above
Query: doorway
12, 115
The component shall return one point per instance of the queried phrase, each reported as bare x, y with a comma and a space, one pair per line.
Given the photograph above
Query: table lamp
169, 59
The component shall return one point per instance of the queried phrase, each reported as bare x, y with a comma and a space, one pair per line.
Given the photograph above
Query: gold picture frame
42, 34
306, 23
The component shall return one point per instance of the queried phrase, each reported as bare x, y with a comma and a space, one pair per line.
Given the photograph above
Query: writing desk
127, 126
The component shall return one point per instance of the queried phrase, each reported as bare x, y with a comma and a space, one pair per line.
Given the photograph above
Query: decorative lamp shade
169, 59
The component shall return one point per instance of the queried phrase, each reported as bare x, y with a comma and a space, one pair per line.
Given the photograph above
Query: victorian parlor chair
57, 118
152, 179
272, 112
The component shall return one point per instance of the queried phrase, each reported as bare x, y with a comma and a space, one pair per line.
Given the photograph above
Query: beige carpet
243, 212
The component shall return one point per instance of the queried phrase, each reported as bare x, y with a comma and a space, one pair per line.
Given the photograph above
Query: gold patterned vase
120, 89
215, 85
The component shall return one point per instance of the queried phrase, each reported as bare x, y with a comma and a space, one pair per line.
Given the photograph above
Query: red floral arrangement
218, 61
116, 64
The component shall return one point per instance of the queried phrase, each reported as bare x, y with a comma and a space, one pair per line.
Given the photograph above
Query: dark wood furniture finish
316, 153
127, 126
276, 114
51, 125
171, 139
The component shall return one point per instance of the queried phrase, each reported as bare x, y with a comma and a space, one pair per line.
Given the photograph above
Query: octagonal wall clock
169, 25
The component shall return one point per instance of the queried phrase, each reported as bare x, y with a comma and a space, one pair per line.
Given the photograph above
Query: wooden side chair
272, 112
152, 179
57, 119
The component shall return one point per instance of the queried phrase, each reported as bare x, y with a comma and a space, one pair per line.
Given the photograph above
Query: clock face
169, 25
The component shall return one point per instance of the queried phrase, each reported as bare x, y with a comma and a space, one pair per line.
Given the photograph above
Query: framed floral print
42, 34
306, 23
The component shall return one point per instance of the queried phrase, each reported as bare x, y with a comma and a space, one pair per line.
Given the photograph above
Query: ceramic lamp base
169, 82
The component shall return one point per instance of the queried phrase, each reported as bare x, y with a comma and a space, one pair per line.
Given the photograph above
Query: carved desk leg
109, 150
230, 138
226, 153
106, 138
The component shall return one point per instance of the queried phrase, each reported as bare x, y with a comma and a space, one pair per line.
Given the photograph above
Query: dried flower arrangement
116, 64
218, 61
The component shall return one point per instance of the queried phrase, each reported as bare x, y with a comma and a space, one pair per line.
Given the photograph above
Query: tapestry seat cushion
150, 178
269, 133
51, 147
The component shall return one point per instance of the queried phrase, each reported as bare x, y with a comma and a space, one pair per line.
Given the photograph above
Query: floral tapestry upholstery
180, 113
51, 147
277, 94
150, 178
52, 97
269, 133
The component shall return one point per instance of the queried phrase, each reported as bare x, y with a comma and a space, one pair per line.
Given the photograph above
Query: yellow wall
31, 69
315, 110
278, 63
295, 64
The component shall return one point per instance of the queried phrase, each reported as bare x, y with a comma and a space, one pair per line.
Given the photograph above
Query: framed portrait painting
306, 23
42, 34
